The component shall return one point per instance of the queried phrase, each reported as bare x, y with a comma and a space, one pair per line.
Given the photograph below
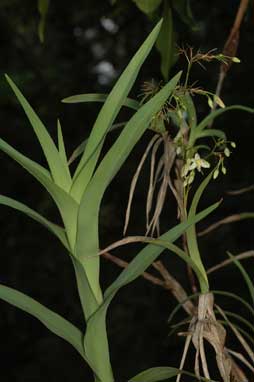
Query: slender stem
167, 281
187, 73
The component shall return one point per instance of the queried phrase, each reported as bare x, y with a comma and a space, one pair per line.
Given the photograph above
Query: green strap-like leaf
241, 319
53, 321
212, 133
81, 148
195, 133
58, 231
88, 301
43, 6
31, 166
163, 373
60, 141
97, 322
245, 275
149, 254
87, 250
182, 7
166, 42
147, 6
215, 292
107, 115
156, 374
188, 103
61, 147
66, 204
180, 253
80, 98
57, 168
191, 234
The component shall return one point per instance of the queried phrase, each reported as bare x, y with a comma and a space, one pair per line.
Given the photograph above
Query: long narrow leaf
166, 42
66, 204
53, 321
88, 301
81, 148
180, 253
245, 275
91, 97
241, 319
61, 148
207, 120
210, 118
156, 374
58, 231
149, 254
215, 292
111, 163
212, 133
58, 170
97, 322
191, 234
147, 6
187, 101
108, 113
163, 373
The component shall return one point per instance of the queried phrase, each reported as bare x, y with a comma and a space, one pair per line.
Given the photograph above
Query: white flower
198, 163
188, 170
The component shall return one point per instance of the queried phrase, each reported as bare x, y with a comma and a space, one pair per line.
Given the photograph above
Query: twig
230, 47
227, 220
175, 287
135, 179
241, 256
241, 191
124, 264
168, 282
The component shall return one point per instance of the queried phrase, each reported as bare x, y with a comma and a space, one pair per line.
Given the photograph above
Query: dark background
85, 52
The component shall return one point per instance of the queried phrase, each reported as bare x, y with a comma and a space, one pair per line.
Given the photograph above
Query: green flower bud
216, 174
227, 152
236, 60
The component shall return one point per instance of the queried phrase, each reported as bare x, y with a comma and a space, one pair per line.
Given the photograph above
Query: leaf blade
97, 322
191, 235
107, 115
166, 42
245, 275
53, 321
155, 374
89, 205
57, 169
194, 134
67, 206
147, 6
93, 97
58, 231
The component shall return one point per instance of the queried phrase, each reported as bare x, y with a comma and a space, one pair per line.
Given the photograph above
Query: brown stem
168, 282
241, 191
227, 220
241, 256
175, 287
